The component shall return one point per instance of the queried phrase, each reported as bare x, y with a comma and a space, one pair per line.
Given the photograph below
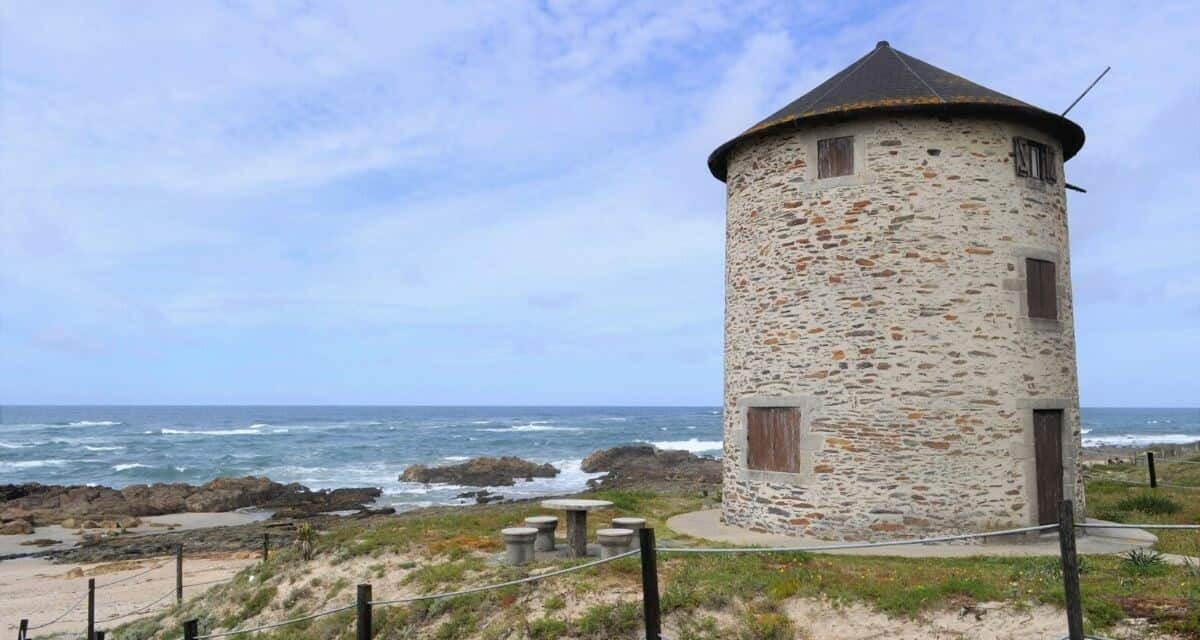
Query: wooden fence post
23, 629
1070, 569
1150, 464
191, 629
363, 612
650, 606
179, 574
91, 623
266, 547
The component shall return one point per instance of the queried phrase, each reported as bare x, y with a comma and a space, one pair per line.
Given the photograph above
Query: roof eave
1067, 132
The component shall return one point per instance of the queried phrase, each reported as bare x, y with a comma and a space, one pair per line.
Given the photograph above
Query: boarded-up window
773, 439
1034, 160
1042, 289
835, 157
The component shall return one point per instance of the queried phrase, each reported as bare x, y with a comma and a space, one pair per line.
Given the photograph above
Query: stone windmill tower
899, 340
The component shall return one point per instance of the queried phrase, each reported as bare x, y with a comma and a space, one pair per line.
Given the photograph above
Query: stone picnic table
577, 511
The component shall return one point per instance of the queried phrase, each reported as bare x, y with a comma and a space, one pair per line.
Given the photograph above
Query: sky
247, 202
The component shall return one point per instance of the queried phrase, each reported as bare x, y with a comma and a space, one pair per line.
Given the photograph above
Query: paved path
707, 525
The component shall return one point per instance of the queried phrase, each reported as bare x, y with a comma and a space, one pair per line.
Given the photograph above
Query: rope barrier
128, 578
1140, 484
142, 609
61, 615
541, 576
274, 625
858, 545
1136, 526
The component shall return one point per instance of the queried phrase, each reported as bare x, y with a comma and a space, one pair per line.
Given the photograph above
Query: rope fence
92, 587
647, 550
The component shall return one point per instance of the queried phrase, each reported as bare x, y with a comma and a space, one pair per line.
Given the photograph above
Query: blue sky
497, 203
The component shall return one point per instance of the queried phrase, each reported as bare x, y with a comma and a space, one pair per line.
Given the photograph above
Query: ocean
329, 447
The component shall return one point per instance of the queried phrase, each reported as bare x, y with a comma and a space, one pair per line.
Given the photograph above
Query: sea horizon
332, 446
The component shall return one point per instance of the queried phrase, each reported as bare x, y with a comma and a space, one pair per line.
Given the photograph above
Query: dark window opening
835, 157
773, 439
1034, 160
1042, 288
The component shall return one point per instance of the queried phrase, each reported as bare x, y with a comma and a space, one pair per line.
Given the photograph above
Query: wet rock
480, 472
481, 497
92, 507
646, 466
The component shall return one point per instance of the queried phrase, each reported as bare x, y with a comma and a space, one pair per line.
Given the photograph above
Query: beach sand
39, 590
36, 589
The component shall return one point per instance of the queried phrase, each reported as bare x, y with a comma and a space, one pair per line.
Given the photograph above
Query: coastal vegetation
766, 595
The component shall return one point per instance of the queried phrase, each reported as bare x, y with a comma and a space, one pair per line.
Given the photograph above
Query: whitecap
113, 448
32, 464
614, 419
130, 465
693, 445
456, 458
1137, 440
7, 445
1085, 431
94, 423
212, 432
533, 426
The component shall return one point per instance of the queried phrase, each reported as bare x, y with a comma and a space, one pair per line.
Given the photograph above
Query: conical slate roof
888, 80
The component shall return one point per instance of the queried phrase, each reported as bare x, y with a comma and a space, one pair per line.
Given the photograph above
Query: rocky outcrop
644, 466
77, 506
480, 472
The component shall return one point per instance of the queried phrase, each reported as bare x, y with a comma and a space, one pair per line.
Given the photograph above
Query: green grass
451, 549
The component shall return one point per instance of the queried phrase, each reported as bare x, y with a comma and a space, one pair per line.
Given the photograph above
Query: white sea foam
1138, 440
533, 426
212, 432
94, 423
456, 458
614, 419
113, 448
13, 445
693, 445
481, 422
1085, 431
32, 464
130, 465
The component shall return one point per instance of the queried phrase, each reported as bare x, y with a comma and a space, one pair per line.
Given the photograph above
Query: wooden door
1047, 439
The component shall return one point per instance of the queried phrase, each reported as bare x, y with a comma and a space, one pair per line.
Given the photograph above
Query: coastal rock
644, 465
89, 507
480, 472
483, 496
16, 527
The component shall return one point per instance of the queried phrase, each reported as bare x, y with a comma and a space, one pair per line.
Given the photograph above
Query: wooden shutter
773, 439
1042, 288
1021, 156
835, 157
1049, 174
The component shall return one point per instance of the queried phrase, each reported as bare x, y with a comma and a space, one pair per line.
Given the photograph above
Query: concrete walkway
707, 525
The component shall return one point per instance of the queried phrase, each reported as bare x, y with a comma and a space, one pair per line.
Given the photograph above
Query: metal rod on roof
1085, 91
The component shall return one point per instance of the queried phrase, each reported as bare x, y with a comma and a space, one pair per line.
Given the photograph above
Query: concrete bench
636, 524
545, 526
518, 544
614, 541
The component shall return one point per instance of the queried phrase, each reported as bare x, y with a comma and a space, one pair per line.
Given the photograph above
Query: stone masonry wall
891, 306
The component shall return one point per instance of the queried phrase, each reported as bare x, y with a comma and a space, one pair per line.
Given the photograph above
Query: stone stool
636, 524
518, 544
545, 526
614, 541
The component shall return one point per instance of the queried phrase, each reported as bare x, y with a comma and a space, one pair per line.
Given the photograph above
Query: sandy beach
36, 589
